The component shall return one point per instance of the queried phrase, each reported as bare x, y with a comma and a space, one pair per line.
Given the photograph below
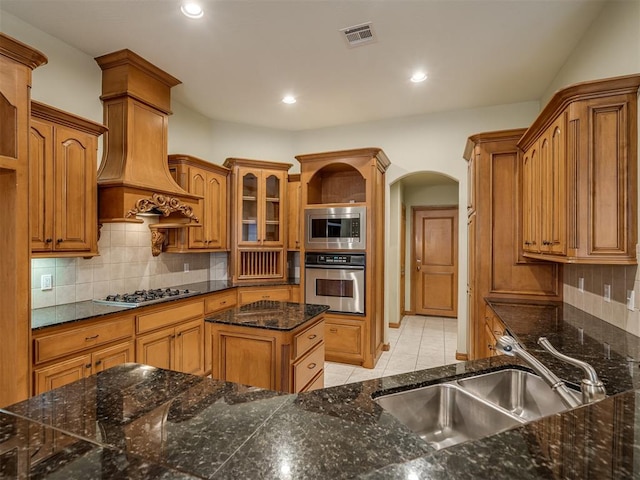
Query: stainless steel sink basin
521, 393
445, 414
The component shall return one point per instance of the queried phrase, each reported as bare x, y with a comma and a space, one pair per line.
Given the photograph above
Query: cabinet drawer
316, 384
63, 343
308, 338
308, 367
343, 338
275, 294
169, 316
219, 301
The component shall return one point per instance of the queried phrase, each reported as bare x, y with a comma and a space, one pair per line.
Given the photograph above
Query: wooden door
112, 356
75, 206
41, 185
156, 349
436, 261
189, 347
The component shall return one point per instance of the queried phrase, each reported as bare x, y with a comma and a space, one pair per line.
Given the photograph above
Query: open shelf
336, 183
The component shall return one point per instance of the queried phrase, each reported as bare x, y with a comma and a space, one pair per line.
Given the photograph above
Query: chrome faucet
591, 387
509, 346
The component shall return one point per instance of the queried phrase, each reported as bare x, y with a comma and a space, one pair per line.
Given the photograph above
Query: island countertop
269, 314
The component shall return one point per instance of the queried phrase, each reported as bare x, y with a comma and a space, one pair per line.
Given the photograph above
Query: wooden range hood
134, 175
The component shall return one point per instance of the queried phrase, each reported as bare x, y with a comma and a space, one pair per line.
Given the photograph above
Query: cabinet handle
527, 243
311, 337
180, 334
311, 366
98, 362
48, 240
59, 240
333, 330
498, 333
88, 365
266, 296
223, 303
93, 337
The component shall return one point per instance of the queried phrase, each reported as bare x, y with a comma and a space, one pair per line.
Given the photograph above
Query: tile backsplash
622, 280
125, 263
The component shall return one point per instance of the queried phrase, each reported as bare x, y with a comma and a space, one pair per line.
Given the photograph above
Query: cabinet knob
59, 240
333, 330
88, 365
311, 366
98, 362
527, 243
48, 240
311, 337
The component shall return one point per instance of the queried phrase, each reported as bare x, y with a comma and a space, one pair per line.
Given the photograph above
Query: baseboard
462, 356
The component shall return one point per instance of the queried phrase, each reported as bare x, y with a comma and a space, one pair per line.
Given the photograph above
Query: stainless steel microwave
335, 228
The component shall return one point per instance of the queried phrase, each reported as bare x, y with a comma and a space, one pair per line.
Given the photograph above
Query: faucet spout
591, 386
509, 346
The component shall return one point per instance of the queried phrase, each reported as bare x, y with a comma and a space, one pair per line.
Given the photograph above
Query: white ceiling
243, 56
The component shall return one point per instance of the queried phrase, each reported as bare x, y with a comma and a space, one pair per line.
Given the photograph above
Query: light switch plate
46, 282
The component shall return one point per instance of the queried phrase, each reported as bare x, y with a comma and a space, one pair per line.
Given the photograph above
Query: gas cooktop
145, 297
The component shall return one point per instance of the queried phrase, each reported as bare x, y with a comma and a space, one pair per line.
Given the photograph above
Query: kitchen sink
445, 414
521, 393
471, 408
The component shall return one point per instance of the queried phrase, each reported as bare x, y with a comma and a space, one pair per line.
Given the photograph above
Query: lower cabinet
276, 293
344, 338
178, 348
277, 360
493, 329
70, 370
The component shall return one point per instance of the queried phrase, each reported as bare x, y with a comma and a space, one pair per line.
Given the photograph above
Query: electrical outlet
607, 293
581, 284
631, 300
46, 282
186, 268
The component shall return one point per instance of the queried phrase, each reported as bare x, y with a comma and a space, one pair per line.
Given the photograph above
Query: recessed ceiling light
191, 10
289, 99
418, 77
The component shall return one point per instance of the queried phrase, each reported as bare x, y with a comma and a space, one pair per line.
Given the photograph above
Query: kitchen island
135, 421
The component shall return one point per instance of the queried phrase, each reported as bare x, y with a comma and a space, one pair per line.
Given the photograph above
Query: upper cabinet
211, 183
258, 218
294, 212
579, 175
63, 160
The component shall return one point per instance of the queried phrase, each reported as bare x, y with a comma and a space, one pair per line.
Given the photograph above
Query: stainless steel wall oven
337, 280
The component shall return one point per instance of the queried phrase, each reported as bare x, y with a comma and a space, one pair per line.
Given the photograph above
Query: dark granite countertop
613, 352
142, 422
268, 314
78, 311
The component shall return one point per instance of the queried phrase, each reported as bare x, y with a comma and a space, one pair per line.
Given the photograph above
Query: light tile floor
419, 343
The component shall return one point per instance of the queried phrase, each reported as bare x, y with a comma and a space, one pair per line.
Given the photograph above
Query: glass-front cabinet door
261, 207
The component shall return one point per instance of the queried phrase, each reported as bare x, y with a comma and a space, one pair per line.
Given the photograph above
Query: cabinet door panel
75, 197
156, 349
62, 373
249, 360
197, 185
41, 186
112, 356
189, 348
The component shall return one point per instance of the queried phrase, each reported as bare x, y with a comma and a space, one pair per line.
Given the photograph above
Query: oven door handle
335, 267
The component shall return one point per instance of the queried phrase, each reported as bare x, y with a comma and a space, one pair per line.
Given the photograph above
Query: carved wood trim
165, 204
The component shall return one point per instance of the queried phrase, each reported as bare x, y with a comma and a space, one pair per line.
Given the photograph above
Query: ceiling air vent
359, 34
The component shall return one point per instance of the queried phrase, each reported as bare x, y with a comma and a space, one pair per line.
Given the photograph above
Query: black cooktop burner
145, 297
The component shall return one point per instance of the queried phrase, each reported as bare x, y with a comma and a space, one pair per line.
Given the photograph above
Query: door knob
418, 264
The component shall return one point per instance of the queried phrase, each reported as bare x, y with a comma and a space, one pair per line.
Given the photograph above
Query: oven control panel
335, 259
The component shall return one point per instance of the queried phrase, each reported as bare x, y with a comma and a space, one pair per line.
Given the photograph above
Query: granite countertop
78, 311
138, 421
268, 314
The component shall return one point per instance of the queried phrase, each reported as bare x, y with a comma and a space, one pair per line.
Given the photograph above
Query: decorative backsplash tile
125, 263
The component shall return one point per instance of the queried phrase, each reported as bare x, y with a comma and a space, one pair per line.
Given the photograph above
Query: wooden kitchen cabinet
287, 361
496, 265
69, 352
258, 218
211, 182
294, 213
172, 337
493, 329
344, 338
580, 175
63, 152
67, 371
